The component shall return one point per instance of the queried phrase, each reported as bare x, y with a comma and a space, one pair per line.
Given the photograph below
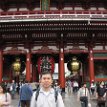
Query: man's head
13, 81
46, 80
84, 85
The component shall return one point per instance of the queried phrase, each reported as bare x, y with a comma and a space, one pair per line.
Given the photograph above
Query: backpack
37, 94
101, 91
6, 97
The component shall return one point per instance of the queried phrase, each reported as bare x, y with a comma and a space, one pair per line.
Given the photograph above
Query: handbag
101, 100
83, 98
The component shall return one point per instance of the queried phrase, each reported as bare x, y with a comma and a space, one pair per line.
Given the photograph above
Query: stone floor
70, 100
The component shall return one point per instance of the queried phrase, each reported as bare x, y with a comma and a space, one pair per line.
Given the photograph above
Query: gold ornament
16, 66
75, 65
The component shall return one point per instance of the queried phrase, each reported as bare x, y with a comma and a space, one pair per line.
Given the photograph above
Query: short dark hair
45, 73
3, 87
83, 83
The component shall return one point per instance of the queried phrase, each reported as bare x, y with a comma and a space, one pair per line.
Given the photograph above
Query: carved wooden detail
45, 50
14, 51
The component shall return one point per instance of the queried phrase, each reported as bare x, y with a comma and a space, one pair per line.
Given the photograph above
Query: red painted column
1, 65
91, 65
61, 68
28, 66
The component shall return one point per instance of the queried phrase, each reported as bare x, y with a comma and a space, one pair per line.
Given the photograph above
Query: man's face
84, 86
46, 80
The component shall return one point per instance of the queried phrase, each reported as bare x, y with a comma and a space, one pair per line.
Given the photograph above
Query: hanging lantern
16, 67
74, 65
45, 63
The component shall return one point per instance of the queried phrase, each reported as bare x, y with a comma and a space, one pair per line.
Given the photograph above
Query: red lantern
45, 63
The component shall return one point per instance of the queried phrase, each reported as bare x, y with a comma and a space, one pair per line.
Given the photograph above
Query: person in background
5, 85
8, 87
83, 95
46, 95
25, 95
101, 95
17, 87
57, 88
13, 89
5, 97
92, 87
75, 86
69, 86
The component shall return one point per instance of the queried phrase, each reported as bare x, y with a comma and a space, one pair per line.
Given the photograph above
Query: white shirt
5, 99
75, 84
46, 99
93, 85
83, 92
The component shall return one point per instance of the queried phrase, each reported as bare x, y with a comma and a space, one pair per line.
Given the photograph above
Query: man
13, 89
75, 86
83, 95
46, 96
92, 87
101, 95
25, 95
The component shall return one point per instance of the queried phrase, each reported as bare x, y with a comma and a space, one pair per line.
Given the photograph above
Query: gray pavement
70, 100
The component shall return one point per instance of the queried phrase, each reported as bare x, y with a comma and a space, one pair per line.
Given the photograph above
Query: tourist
5, 97
25, 95
83, 95
46, 96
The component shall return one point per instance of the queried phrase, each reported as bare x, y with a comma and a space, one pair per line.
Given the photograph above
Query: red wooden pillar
28, 66
61, 68
91, 65
1, 65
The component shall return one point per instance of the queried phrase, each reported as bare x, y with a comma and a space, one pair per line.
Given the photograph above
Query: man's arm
88, 94
60, 102
33, 101
78, 95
